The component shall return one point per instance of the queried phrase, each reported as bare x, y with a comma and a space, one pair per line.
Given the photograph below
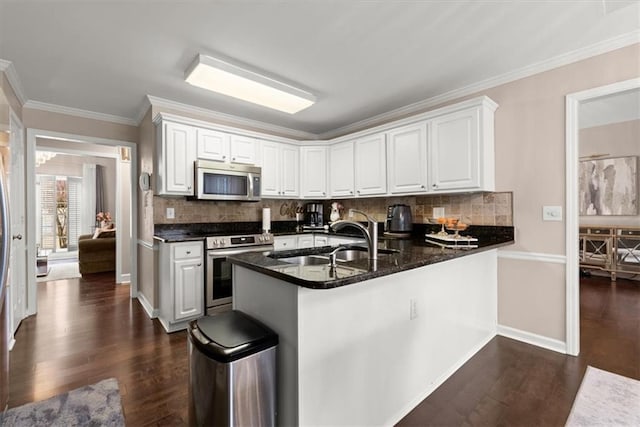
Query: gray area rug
606, 399
92, 405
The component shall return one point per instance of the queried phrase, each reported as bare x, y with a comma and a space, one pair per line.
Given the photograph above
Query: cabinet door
179, 154
243, 149
319, 240
305, 241
341, 169
270, 169
454, 151
313, 174
289, 171
282, 243
370, 165
188, 291
212, 145
407, 159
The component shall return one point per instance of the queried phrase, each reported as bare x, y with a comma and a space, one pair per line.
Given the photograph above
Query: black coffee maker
313, 216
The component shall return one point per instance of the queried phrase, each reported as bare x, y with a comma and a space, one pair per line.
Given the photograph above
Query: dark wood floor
88, 330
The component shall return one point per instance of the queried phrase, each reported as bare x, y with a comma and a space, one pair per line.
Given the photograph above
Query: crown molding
14, 81
142, 110
228, 118
530, 70
53, 108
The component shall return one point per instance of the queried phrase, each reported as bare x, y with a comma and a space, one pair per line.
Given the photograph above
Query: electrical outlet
413, 309
171, 213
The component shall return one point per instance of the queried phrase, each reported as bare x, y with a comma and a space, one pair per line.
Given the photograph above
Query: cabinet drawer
190, 250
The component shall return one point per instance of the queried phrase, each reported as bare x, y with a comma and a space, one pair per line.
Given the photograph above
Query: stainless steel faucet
370, 233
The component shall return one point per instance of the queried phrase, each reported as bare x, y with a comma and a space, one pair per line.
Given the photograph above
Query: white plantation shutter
74, 212
47, 212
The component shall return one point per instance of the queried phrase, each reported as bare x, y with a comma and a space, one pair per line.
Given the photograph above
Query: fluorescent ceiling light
228, 79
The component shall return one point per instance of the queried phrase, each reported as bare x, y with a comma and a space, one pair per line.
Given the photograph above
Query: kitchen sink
346, 255
306, 260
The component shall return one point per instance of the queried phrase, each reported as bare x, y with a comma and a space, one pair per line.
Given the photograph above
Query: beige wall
530, 161
147, 283
614, 140
46, 120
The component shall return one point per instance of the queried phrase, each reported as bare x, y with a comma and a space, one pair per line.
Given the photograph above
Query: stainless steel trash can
232, 371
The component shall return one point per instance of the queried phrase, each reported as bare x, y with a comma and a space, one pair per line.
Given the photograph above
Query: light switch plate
171, 214
552, 213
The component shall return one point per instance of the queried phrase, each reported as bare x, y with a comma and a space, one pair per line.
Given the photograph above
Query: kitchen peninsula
362, 345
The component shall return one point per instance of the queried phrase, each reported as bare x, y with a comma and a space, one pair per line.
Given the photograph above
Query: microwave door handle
250, 177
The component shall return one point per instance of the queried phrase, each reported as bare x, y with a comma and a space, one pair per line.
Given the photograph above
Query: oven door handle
219, 253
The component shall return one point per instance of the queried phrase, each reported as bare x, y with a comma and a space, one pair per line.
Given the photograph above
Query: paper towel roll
266, 220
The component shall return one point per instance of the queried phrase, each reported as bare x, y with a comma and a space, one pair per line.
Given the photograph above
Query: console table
611, 249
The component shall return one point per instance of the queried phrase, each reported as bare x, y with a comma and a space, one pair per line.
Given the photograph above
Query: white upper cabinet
212, 145
224, 147
280, 169
176, 154
243, 149
407, 159
341, 167
313, 175
461, 154
371, 165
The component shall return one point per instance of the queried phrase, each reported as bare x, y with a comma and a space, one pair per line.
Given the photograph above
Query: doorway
573, 110
125, 211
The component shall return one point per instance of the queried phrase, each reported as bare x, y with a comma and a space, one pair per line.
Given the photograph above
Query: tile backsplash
477, 208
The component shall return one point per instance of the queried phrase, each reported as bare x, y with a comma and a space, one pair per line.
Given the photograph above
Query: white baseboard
532, 256
147, 306
440, 380
533, 339
125, 278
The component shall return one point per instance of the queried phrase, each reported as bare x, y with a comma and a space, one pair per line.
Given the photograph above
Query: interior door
17, 260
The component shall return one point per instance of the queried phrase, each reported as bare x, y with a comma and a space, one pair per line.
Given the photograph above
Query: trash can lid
230, 336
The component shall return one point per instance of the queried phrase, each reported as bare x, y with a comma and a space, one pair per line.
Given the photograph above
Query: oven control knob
221, 242
214, 242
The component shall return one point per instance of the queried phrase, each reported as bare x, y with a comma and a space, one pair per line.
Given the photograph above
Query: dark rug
92, 405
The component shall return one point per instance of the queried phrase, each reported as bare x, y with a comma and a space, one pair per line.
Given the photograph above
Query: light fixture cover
232, 80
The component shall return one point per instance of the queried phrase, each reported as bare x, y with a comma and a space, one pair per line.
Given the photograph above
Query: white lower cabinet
181, 284
285, 243
320, 240
305, 241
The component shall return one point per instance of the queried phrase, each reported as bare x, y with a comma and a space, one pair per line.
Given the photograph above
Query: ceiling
360, 58
614, 108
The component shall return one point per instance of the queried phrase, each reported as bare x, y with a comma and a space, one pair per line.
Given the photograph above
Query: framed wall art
609, 186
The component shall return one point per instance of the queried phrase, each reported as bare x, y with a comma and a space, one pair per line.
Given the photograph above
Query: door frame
572, 284
30, 153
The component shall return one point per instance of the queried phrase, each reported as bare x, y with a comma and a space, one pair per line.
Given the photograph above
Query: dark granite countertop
406, 254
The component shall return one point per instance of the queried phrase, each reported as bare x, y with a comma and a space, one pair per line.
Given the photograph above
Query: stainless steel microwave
224, 181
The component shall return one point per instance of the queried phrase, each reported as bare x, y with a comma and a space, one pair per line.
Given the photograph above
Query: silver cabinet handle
350, 192
224, 157
358, 191
233, 158
188, 252
17, 237
324, 194
435, 185
200, 265
422, 186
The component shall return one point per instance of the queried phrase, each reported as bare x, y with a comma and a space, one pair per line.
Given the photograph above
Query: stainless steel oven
219, 274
